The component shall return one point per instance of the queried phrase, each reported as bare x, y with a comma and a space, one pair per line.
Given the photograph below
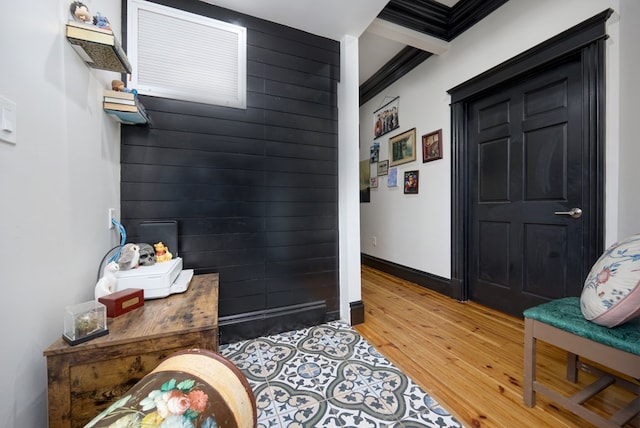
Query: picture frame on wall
411, 181
383, 168
402, 148
365, 185
374, 182
432, 146
386, 119
392, 178
374, 152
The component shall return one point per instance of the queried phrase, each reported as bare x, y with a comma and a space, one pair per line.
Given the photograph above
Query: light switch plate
8, 131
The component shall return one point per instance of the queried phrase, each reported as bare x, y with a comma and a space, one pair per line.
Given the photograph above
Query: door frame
586, 39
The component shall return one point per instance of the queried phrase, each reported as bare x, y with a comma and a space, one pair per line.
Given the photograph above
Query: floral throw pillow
611, 293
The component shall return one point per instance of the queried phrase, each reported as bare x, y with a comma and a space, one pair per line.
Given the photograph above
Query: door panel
493, 266
493, 171
545, 158
545, 253
526, 159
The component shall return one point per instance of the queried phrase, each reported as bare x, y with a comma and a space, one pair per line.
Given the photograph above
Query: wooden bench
561, 323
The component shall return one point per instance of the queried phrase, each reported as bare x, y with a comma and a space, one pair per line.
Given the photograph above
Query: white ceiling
328, 18
334, 19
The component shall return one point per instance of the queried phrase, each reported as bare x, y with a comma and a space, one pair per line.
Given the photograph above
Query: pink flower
177, 402
198, 400
604, 275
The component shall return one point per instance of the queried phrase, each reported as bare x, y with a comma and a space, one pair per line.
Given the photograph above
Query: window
181, 55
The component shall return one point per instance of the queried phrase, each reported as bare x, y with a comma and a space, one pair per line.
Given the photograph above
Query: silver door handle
573, 212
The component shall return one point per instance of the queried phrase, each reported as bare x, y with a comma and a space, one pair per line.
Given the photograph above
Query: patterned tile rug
329, 376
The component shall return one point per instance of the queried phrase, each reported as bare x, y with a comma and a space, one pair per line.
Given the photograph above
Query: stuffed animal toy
162, 253
118, 86
147, 255
129, 257
107, 284
80, 12
101, 21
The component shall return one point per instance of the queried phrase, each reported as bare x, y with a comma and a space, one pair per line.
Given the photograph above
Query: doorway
525, 165
528, 148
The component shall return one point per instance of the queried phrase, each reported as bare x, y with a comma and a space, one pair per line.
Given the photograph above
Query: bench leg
529, 363
572, 367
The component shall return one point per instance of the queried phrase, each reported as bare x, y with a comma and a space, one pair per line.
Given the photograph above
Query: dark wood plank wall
255, 191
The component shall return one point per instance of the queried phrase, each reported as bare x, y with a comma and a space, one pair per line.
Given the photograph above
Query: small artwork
375, 152
161, 390
402, 148
411, 182
365, 185
374, 182
392, 178
383, 168
432, 146
385, 119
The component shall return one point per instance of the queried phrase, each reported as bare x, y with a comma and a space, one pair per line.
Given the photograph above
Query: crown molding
428, 17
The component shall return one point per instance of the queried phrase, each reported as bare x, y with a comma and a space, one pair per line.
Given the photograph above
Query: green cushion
565, 314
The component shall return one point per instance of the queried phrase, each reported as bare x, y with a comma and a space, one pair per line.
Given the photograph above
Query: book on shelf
118, 94
137, 105
89, 26
98, 48
126, 113
119, 101
128, 117
119, 106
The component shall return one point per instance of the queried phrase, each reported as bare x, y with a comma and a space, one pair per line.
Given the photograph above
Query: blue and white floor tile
329, 376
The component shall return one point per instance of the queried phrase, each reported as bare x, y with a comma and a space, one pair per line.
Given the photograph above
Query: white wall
629, 88
348, 192
414, 230
56, 185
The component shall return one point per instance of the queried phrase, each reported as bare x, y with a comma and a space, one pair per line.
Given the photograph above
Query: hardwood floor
467, 356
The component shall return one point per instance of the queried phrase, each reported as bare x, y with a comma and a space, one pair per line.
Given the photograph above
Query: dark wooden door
526, 164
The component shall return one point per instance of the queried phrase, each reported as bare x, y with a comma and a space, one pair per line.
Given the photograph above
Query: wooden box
85, 379
219, 394
122, 301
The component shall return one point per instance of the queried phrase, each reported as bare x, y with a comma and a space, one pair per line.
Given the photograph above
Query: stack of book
98, 47
124, 107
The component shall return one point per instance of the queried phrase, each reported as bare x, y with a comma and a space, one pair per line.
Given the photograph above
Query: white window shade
180, 55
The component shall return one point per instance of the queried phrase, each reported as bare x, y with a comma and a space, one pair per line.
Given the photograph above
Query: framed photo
402, 148
365, 185
392, 178
411, 182
385, 119
383, 168
432, 146
374, 182
374, 152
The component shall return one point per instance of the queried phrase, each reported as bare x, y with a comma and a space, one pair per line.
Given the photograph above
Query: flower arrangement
174, 405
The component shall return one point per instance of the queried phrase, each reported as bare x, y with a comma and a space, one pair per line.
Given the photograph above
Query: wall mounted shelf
125, 107
98, 47
128, 117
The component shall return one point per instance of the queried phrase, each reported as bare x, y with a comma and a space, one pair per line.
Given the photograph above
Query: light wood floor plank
467, 356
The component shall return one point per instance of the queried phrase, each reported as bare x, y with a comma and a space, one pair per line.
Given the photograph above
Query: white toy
129, 257
107, 284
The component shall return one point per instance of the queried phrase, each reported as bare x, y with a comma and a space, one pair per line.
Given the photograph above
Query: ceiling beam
405, 61
466, 13
424, 16
407, 36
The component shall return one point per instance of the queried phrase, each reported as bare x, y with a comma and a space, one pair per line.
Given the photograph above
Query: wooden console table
85, 379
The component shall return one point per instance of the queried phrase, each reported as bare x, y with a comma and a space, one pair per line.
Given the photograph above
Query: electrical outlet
374, 241
112, 215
